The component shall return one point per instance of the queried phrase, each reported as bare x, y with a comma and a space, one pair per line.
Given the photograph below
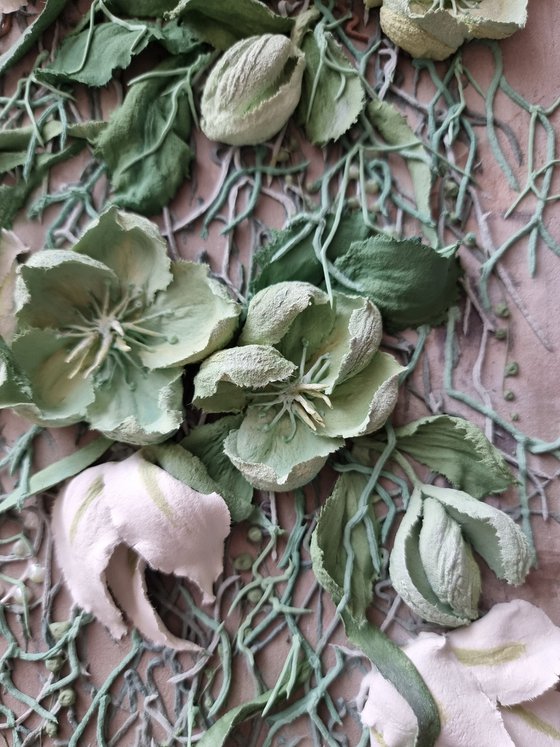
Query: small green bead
502, 310
254, 596
243, 562
54, 663
354, 172
58, 629
512, 369
51, 729
255, 535
67, 697
450, 188
372, 187
509, 395
501, 333
353, 203
470, 239
515, 417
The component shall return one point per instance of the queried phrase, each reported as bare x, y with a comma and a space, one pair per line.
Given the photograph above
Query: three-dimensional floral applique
432, 564
114, 520
436, 28
493, 682
252, 90
306, 374
103, 332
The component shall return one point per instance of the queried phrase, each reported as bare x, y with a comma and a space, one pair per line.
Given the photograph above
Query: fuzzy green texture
103, 332
306, 375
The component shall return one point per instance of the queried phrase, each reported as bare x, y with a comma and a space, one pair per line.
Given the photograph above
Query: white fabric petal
387, 714
513, 652
535, 724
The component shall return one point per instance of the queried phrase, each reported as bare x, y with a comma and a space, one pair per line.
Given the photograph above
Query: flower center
112, 332
456, 6
298, 398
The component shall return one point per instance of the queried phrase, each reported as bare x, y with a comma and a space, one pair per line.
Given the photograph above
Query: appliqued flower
114, 520
492, 681
436, 28
103, 332
307, 375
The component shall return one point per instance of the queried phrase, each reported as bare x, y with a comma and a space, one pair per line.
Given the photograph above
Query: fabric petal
496, 19
536, 722
363, 403
58, 399
132, 247
390, 719
127, 581
171, 526
273, 310
219, 384
283, 457
10, 248
194, 317
138, 407
85, 539
55, 285
513, 652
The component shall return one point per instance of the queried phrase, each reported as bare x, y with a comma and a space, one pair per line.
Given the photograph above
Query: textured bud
252, 90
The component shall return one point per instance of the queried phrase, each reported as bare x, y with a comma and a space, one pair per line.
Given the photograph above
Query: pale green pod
252, 90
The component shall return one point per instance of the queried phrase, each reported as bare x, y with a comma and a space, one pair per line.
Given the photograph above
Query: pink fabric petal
387, 714
85, 539
513, 652
535, 724
126, 579
174, 528
10, 6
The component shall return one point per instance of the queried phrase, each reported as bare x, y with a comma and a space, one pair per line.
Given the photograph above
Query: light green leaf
457, 449
207, 443
396, 131
145, 143
9, 161
331, 98
91, 56
282, 457
411, 283
15, 387
49, 13
219, 384
222, 24
328, 551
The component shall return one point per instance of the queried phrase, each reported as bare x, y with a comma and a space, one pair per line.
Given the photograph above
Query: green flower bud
252, 90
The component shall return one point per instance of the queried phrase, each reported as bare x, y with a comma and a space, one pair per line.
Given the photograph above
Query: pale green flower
436, 28
252, 90
432, 565
103, 332
307, 375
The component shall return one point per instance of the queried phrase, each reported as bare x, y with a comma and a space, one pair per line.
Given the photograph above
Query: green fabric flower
103, 332
436, 28
307, 375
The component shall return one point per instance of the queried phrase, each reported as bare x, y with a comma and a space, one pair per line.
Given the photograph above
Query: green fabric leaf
177, 38
328, 552
207, 443
91, 56
457, 449
141, 8
14, 197
396, 131
145, 143
396, 667
15, 387
410, 282
331, 98
299, 261
223, 23
218, 733
9, 161
50, 12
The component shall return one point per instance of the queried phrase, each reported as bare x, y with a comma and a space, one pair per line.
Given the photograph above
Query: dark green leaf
145, 143
396, 667
396, 131
328, 553
331, 98
51, 10
13, 197
9, 161
178, 38
300, 262
141, 8
222, 23
410, 282
207, 443
90, 56
457, 449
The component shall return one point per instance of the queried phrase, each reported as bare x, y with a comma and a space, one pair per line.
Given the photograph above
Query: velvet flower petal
114, 321
435, 29
138, 505
308, 375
